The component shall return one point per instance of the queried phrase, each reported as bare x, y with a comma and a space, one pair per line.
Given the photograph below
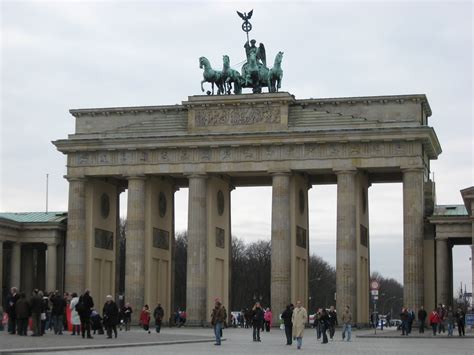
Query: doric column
51, 267
135, 245
76, 237
281, 243
196, 279
346, 243
413, 285
16, 266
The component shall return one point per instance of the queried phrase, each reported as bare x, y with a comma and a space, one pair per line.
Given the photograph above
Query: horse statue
275, 75
231, 76
211, 76
254, 74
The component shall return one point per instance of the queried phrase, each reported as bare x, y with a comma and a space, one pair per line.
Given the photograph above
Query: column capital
341, 171
197, 176
135, 177
412, 169
284, 172
75, 178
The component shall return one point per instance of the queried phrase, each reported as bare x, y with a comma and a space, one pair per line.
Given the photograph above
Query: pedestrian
36, 304
299, 318
22, 311
75, 319
461, 321
217, 320
450, 318
332, 314
12, 298
58, 312
434, 320
110, 314
317, 323
257, 321
404, 318
268, 319
411, 318
286, 316
46, 315
422, 318
441, 310
127, 316
158, 314
346, 323
96, 323
324, 320
145, 318
84, 308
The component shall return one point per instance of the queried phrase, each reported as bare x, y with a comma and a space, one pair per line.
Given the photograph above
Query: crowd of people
77, 314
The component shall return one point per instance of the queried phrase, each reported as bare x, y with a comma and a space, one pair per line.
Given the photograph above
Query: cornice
367, 100
424, 134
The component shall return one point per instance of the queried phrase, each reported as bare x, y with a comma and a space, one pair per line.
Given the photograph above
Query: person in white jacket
75, 319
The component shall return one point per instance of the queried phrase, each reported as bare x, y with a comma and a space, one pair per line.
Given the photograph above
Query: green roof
34, 217
450, 210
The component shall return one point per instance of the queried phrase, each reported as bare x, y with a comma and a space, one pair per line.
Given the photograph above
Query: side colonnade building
212, 144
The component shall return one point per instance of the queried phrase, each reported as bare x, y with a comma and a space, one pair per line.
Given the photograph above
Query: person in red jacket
434, 321
145, 318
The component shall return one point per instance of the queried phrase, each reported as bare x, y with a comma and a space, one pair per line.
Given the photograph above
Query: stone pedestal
76, 237
16, 266
346, 243
281, 243
135, 246
196, 280
413, 238
51, 267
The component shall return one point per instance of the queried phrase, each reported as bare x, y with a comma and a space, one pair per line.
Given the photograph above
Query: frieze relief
298, 151
237, 116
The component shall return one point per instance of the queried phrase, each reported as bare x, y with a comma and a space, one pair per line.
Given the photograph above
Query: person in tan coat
299, 318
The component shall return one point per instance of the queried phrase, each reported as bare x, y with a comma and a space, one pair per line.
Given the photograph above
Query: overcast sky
60, 55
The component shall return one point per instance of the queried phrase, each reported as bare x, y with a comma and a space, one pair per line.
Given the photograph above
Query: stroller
96, 323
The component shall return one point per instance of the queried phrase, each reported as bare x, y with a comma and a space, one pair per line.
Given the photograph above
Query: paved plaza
237, 341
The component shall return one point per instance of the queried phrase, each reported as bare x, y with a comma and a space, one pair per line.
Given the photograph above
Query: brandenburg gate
212, 144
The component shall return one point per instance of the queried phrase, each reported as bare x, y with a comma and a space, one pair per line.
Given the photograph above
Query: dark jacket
11, 302
22, 308
218, 315
110, 313
36, 304
158, 313
257, 316
88, 304
324, 319
332, 318
422, 315
59, 305
286, 316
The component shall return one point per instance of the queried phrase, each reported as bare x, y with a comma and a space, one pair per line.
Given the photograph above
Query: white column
281, 244
413, 290
196, 279
16, 266
346, 243
135, 245
51, 267
75, 248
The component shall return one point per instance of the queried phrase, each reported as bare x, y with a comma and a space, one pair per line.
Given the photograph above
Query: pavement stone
239, 341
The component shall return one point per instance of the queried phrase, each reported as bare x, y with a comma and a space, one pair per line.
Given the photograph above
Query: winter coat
286, 316
88, 304
346, 317
422, 315
59, 305
434, 318
257, 317
75, 319
145, 317
36, 303
268, 317
332, 317
110, 314
218, 315
158, 314
299, 318
22, 308
11, 302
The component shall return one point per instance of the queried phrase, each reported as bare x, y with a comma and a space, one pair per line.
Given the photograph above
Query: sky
59, 55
